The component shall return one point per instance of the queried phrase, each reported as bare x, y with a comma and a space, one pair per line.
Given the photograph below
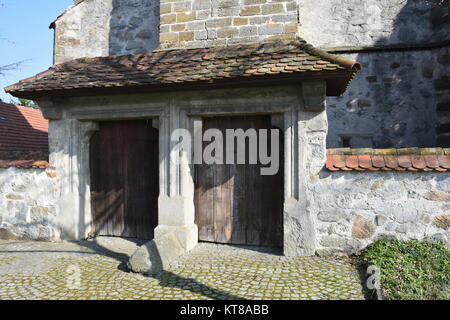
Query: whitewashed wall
353, 209
28, 209
350, 209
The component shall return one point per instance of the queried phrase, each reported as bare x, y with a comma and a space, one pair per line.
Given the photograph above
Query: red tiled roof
275, 61
22, 129
411, 159
24, 164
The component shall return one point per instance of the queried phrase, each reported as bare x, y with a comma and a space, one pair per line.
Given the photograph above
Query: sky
24, 35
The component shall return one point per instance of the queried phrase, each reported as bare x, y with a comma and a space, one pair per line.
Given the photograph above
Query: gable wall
96, 28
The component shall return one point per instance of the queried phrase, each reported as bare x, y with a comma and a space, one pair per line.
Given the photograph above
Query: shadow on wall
134, 26
391, 103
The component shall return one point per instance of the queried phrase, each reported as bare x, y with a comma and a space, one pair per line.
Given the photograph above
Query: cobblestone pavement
38, 270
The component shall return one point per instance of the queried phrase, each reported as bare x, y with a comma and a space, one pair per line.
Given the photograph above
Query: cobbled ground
38, 270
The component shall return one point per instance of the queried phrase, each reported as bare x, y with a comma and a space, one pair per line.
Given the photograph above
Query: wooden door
125, 179
235, 204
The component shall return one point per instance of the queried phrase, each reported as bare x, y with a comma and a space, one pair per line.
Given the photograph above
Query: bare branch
12, 66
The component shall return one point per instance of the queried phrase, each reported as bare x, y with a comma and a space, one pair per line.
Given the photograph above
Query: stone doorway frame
300, 110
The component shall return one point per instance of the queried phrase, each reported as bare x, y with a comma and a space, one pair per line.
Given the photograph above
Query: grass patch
410, 270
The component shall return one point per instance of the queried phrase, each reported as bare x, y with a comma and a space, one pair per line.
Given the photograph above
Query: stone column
85, 131
176, 210
69, 156
305, 128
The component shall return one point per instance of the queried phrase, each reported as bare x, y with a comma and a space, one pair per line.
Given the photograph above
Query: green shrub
410, 270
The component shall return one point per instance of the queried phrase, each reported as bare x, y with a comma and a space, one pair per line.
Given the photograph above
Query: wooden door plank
124, 174
243, 206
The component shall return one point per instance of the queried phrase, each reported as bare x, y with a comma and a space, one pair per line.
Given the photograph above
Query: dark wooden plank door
234, 203
125, 179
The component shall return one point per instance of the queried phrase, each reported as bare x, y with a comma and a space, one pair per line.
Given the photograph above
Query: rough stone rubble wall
393, 101
28, 204
390, 103
96, 28
200, 23
355, 209
441, 25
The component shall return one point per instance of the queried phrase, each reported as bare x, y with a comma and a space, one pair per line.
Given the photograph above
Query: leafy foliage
410, 270
28, 103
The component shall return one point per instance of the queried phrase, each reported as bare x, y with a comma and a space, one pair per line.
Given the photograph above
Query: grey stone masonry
95, 28
201, 23
390, 103
356, 23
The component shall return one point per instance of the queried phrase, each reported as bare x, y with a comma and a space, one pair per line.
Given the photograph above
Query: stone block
240, 21
362, 229
290, 28
185, 17
228, 32
201, 4
7, 233
270, 29
169, 37
272, 8
178, 27
253, 2
181, 6
248, 31
437, 196
156, 255
442, 222
250, 11
165, 8
175, 211
186, 36
218, 23
168, 18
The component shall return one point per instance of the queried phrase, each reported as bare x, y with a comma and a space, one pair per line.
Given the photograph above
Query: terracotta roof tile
282, 61
352, 162
22, 129
378, 161
418, 162
435, 159
404, 161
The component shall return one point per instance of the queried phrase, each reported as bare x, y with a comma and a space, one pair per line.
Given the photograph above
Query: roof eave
337, 83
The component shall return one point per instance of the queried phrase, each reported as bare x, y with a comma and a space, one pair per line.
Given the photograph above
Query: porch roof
252, 64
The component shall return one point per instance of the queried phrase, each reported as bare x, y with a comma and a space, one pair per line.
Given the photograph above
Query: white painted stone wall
356, 23
97, 28
28, 204
353, 209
